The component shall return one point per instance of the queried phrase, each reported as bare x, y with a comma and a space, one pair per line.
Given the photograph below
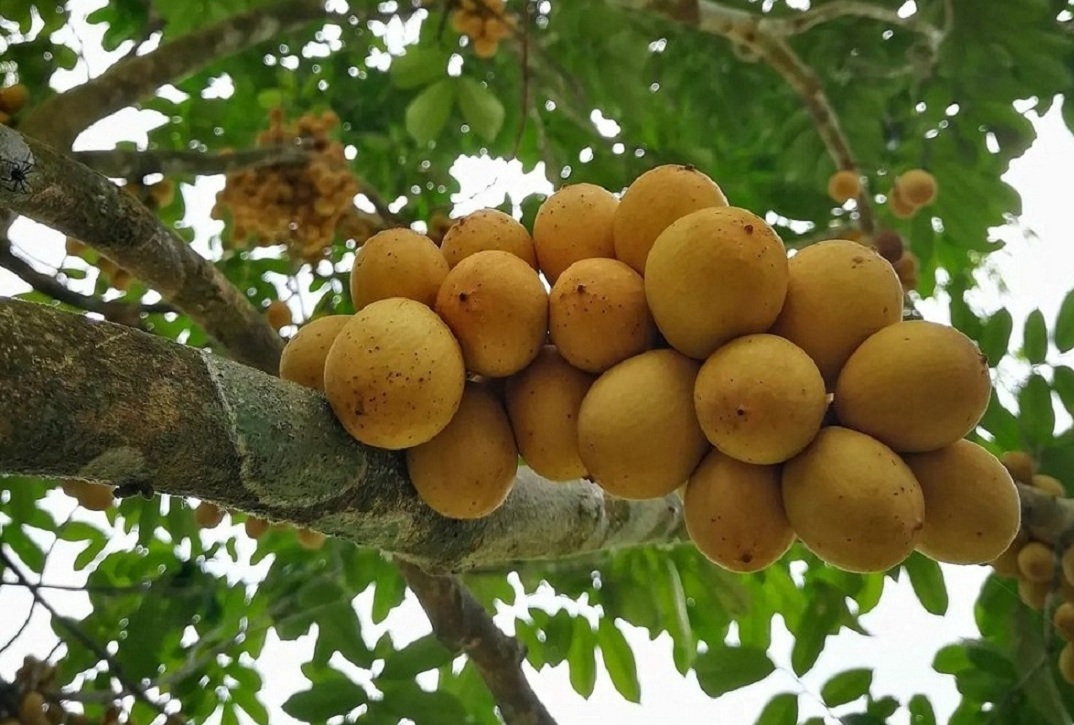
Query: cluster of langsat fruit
485, 22
1033, 563
34, 700
298, 204
678, 344
12, 100
153, 196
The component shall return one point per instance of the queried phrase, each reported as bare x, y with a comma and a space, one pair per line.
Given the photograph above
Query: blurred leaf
418, 67
846, 687
921, 712
481, 108
1035, 410
618, 660
1063, 332
926, 578
423, 654
996, 336
1063, 383
581, 658
780, 710
723, 669
1035, 341
334, 695
428, 113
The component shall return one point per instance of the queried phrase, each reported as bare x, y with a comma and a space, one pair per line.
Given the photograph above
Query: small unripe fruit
255, 527
843, 185
889, 245
917, 187
278, 314
310, 539
1063, 619
1066, 663
1049, 485
1067, 563
900, 207
1034, 594
208, 515
1036, 562
1020, 464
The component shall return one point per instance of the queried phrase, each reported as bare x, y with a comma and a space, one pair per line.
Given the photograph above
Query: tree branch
60, 119
107, 403
463, 626
67, 196
76, 632
133, 164
820, 14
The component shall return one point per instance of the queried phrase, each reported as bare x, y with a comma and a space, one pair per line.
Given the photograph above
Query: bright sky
1036, 273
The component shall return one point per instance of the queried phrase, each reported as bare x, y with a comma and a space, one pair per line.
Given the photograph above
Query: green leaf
428, 113
1035, 410
334, 695
481, 108
951, 659
780, 710
581, 657
388, 595
619, 660
926, 578
423, 654
1063, 384
1063, 332
722, 669
341, 631
418, 67
996, 336
847, 687
921, 712
1035, 341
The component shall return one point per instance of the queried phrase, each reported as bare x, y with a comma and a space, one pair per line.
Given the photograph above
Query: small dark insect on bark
14, 175
138, 487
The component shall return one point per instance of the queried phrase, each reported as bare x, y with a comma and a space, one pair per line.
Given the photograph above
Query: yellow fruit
853, 502
394, 375
1006, 564
468, 469
1049, 485
498, 309
574, 223
208, 516
397, 263
1063, 619
13, 98
1036, 562
1034, 594
838, 294
915, 385
900, 207
484, 230
310, 539
485, 47
843, 185
255, 526
278, 314
713, 275
90, 496
1066, 663
906, 267
734, 514
303, 357
598, 315
1067, 563
1020, 465
543, 403
637, 432
917, 186
657, 198
760, 399
972, 510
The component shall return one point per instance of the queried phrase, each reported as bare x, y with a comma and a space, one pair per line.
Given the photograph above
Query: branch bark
67, 196
60, 119
462, 625
107, 403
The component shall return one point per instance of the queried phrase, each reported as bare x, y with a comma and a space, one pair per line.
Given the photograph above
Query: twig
820, 14
463, 626
137, 690
134, 164
524, 67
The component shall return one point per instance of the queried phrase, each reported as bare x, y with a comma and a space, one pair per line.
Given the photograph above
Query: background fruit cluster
665, 340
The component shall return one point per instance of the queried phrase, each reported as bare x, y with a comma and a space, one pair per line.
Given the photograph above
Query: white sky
1036, 273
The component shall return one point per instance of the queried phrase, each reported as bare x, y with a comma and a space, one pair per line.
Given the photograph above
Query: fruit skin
1006, 564
900, 206
638, 435
652, 202
714, 275
487, 229
255, 527
1063, 619
916, 386
498, 309
1067, 563
397, 263
543, 402
1066, 663
1020, 465
598, 315
208, 515
734, 514
394, 375
1049, 485
278, 314
1036, 563
838, 294
843, 185
853, 502
572, 224
303, 357
1034, 594
972, 509
469, 468
760, 399
917, 187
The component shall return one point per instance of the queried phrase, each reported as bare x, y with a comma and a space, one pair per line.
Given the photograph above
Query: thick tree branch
463, 626
61, 118
1047, 518
133, 164
108, 403
67, 196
